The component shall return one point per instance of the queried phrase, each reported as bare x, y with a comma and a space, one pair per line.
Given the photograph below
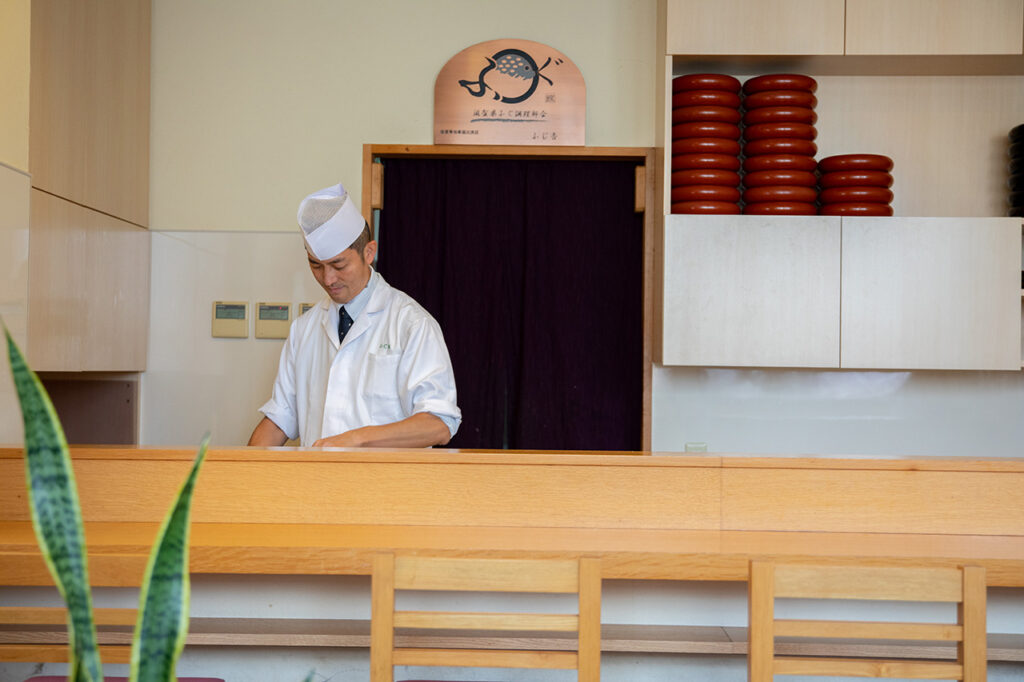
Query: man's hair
364, 238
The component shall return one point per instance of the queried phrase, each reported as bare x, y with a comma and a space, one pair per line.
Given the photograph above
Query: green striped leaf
163, 603
56, 514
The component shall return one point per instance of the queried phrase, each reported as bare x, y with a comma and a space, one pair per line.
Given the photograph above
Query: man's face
345, 275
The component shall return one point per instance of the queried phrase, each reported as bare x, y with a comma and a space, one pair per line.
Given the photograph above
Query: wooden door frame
646, 178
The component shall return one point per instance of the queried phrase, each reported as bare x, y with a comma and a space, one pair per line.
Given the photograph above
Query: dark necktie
344, 323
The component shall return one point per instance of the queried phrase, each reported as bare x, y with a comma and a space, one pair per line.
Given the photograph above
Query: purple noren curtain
533, 268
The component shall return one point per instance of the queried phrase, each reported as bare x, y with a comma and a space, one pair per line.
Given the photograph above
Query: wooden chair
964, 586
581, 577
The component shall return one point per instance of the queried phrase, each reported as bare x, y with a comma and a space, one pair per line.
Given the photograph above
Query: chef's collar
356, 305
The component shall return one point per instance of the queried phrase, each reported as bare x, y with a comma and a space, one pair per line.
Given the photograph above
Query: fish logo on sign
512, 75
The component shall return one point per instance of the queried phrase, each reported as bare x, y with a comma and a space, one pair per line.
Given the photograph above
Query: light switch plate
272, 320
230, 319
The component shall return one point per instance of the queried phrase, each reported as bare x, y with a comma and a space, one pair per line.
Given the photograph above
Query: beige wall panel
245, 124
931, 293
751, 291
873, 501
15, 17
89, 289
766, 27
945, 134
934, 26
90, 104
14, 217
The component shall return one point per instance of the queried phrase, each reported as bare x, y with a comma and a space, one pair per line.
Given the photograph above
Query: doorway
536, 269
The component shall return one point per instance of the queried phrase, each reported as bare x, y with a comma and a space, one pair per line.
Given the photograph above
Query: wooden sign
510, 92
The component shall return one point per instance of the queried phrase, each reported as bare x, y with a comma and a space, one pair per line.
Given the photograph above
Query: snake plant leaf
56, 514
164, 600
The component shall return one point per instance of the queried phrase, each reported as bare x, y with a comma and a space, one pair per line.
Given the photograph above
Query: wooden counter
302, 511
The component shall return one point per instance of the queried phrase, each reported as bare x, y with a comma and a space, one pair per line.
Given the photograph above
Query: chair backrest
581, 577
964, 586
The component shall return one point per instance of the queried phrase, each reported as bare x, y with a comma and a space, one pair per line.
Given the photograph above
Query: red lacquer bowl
781, 208
850, 162
763, 131
705, 193
780, 81
857, 209
719, 161
765, 162
705, 113
718, 98
719, 207
729, 131
785, 193
780, 98
778, 145
858, 178
780, 115
705, 176
780, 177
859, 195
705, 81
712, 145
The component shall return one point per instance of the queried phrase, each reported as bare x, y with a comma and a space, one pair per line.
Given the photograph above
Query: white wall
195, 383
839, 412
256, 103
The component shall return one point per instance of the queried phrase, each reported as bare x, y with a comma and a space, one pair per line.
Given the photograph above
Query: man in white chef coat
367, 365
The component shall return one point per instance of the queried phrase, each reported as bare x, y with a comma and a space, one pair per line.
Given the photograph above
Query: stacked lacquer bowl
856, 184
778, 145
1016, 168
705, 144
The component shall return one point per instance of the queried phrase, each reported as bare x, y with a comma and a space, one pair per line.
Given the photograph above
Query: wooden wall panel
88, 288
941, 27
869, 501
737, 27
89, 112
411, 493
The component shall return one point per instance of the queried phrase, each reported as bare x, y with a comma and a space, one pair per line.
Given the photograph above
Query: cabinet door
89, 114
756, 291
88, 289
934, 26
765, 27
931, 293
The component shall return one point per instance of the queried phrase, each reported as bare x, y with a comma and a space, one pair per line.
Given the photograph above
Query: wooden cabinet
931, 293
89, 114
937, 290
88, 282
758, 291
88, 289
740, 27
853, 27
934, 27
856, 293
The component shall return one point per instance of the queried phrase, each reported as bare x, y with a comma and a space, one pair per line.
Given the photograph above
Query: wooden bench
42, 637
289, 511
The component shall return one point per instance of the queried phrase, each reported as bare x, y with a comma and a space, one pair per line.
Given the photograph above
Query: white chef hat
330, 221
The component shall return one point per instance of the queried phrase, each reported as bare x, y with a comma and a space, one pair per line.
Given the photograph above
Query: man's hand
349, 439
421, 430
